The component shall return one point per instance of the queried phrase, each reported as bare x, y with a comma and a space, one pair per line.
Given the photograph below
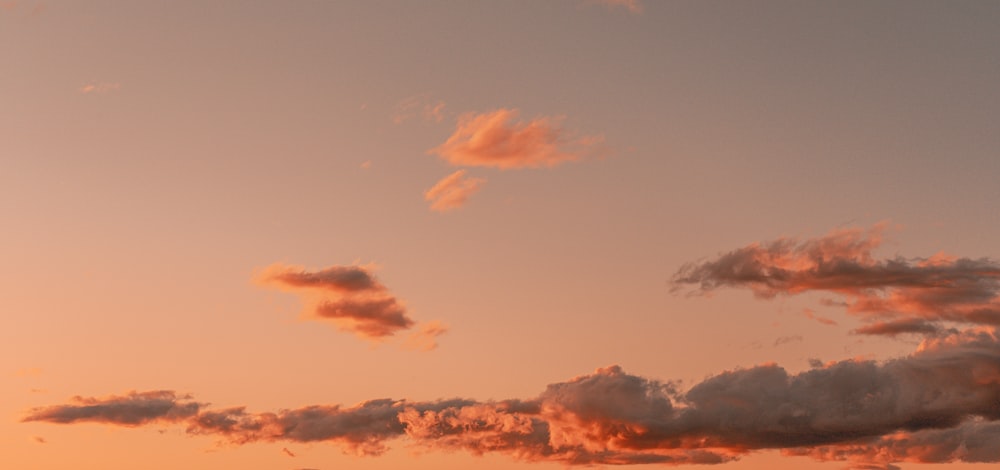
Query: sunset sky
517, 234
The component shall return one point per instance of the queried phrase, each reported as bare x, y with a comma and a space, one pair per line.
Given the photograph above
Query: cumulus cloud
350, 296
498, 139
938, 404
452, 191
895, 295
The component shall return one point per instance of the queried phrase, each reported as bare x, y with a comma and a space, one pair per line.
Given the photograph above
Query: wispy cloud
425, 338
452, 191
633, 6
422, 106
498, 139
99, 87
351, 296
895, 295
938, 404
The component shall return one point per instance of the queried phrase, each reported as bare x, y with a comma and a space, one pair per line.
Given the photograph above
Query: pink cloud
938, 404
350, 296
895, 295
99, 87
497, 139
421, 107
452, 191
425, 338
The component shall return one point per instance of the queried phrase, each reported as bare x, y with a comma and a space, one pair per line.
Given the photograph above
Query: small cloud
28, 372
421, 107
132, 409
811, 314
633, 6
39, 439
287, 452
452, 191
350, 296
497, 139
425, 339
787, 339
102, 87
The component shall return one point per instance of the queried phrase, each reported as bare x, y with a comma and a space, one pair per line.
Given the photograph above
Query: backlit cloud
938, 404
452, 191
498, 139
350, 296
895, 295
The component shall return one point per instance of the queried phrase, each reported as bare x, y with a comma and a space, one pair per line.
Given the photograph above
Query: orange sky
522, 234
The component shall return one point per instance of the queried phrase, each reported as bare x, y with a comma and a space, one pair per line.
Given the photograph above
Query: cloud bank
498, 139
938, 404
893, 295
350, 296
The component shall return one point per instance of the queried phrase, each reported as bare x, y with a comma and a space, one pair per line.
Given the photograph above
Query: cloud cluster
452, 191
350, 296
939, 404
893, 296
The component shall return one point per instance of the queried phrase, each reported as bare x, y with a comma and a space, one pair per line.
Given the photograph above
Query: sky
538, 234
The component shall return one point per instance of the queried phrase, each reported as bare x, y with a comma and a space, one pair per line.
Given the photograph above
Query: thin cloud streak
895, 295
633, 6
939, 404
498, 139
453, 191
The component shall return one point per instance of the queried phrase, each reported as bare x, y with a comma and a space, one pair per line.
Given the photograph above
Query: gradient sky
280, 204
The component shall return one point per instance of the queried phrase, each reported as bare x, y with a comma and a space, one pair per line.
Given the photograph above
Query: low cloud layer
893, 295
452, 191
939, 404
499, 139
350, 296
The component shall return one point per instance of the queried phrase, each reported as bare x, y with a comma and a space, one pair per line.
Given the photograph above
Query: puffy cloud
452, 191
350, 296
497, 139
132, 409
939, 404
897, 295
